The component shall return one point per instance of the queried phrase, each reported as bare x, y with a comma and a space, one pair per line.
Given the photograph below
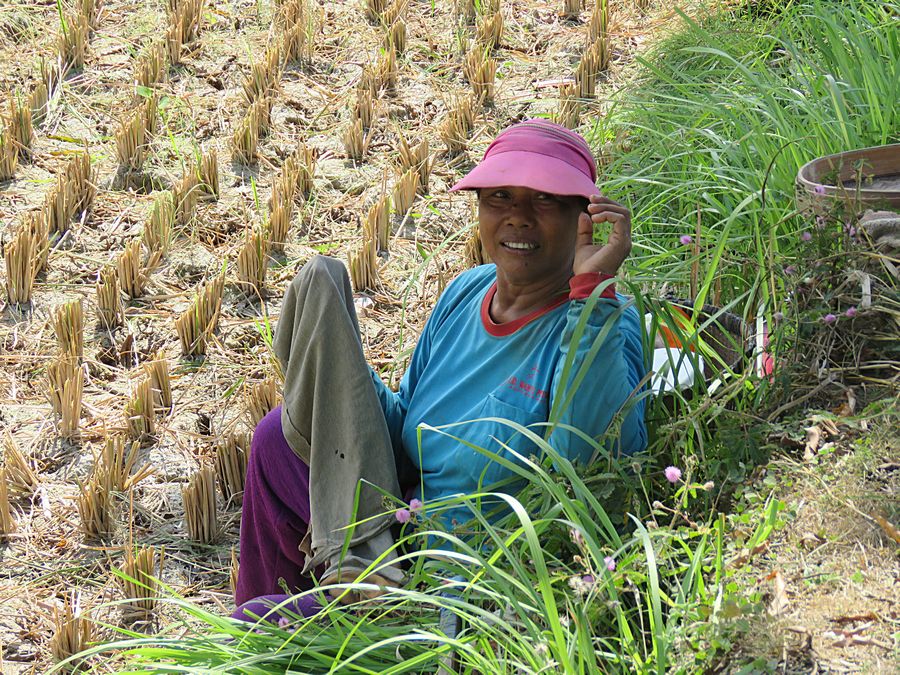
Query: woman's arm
394, 404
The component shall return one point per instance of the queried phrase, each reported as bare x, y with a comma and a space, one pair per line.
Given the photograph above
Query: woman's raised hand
604, 258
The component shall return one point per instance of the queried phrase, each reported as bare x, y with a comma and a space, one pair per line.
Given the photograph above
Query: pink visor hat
536, 154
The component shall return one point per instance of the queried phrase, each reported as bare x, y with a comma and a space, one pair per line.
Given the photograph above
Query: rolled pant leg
332, 417
274, 517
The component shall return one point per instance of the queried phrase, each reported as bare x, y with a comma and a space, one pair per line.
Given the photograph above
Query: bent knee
267, 434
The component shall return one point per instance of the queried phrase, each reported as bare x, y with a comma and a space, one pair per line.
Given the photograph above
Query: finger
612, 206
585, 235
607, 216
599, 199
621, 235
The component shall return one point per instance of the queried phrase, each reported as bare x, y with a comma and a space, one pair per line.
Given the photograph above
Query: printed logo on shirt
521, 386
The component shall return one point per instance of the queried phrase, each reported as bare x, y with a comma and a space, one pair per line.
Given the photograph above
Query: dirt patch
829, 581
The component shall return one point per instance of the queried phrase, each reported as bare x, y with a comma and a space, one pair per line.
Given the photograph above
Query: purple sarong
275, 516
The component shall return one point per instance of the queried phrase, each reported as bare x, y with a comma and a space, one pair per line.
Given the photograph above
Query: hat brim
519, 168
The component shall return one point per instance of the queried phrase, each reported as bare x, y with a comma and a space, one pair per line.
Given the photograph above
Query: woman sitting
494, 347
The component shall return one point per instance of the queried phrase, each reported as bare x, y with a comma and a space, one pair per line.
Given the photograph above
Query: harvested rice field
166, 167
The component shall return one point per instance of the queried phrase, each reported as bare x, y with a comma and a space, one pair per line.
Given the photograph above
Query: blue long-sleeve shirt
466, 367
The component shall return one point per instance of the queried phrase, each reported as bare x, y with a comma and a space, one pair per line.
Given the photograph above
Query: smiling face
530, 235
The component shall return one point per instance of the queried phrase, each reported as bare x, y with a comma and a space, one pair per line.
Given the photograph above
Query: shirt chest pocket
499, 436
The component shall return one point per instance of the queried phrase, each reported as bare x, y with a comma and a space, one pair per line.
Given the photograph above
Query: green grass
723, 114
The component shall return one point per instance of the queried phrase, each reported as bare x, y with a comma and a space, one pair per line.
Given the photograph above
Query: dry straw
72, 42
599, 24
386, 72
296, 176
72, 195
396, 11
355, 141
140, 582
9, 156
457, 125
296, 22
80, 175
395, 37
594, 60
200, 320
571, 9
260, 399
186, 194
568, 112
38, 102
50, 74
21, 476
231, 466
90, 10
244, 142
68, 324
158, 372
416, 158
7, 522
174, 44
199, 497
109, 298
150, 66
130, 142
19, 123
20, 266
150, 114
133, 272
364, 266
35, 223
234, 569
465, 11
95, 506
378, 223
260, 115
263, 78
480, 70
139, 413
280, 215
72, 631
475, 253
157, 234
184, 18
251, 262
69, 393
209, 173
364, 106
405, 192
373, 9
489, 33
116, 465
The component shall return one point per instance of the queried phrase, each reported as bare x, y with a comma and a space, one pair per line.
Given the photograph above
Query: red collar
510, 327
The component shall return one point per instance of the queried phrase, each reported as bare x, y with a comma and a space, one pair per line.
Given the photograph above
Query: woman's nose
520, 212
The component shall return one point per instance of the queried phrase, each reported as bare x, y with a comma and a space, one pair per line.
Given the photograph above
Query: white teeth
520, 245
